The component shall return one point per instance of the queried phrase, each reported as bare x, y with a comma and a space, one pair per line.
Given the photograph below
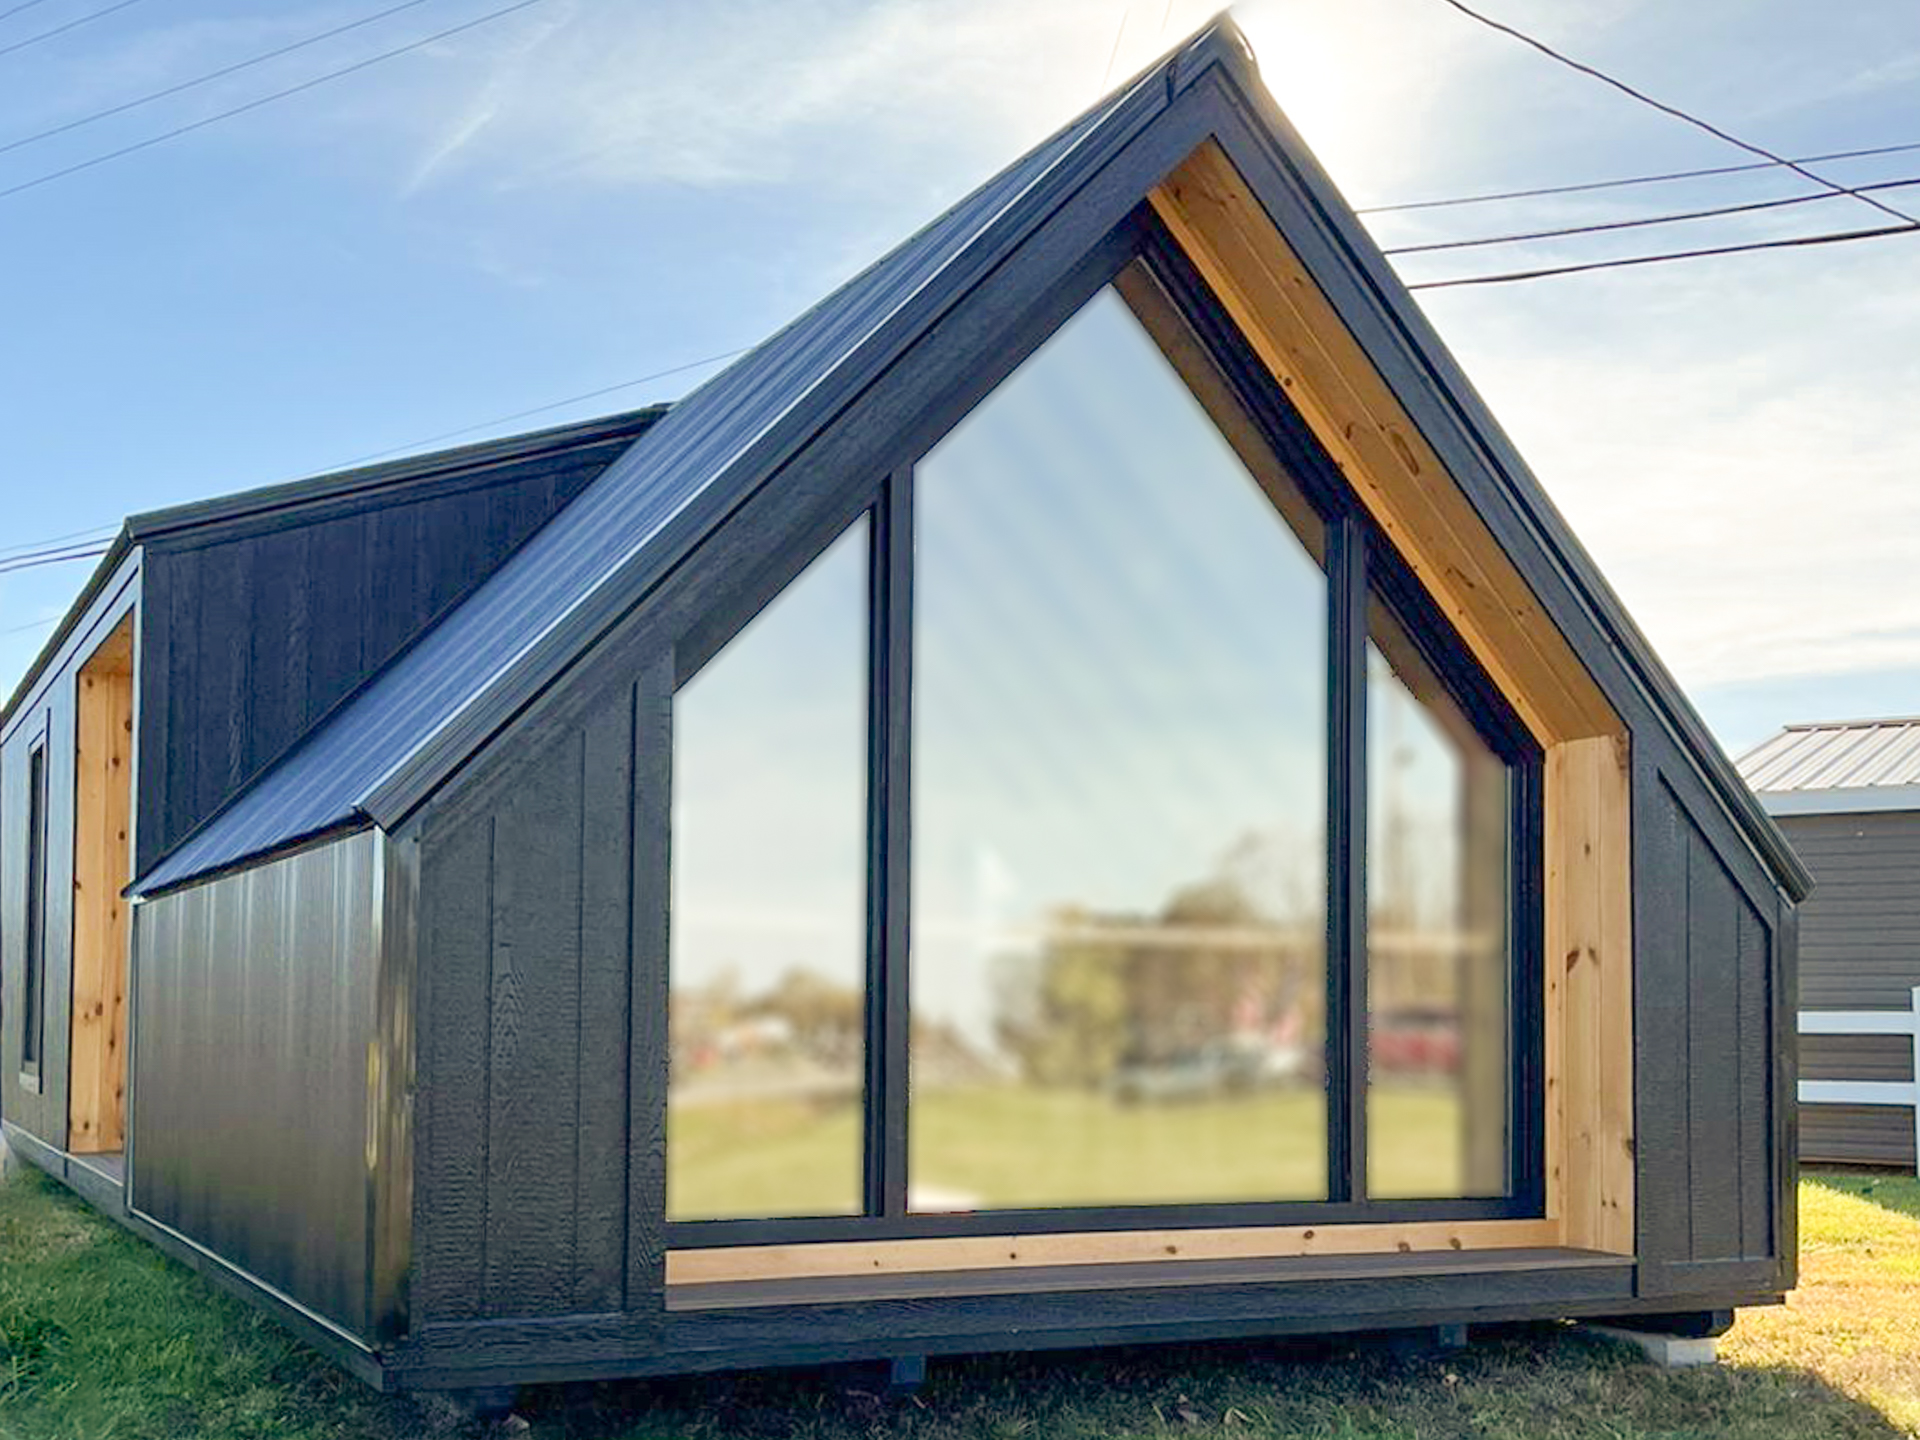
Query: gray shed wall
1859, 950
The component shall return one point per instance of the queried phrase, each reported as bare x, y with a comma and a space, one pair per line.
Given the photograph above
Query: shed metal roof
387, 747
1838, 765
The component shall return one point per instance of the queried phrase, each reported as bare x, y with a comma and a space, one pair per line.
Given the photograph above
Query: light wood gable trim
1399, 478
103, 816
1392, 469
1589, 976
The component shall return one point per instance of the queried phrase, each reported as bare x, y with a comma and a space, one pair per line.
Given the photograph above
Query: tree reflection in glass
766, 1015
1118, 972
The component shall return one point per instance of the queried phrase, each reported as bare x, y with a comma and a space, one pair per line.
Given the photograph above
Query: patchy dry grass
1855, 1320
101, 1338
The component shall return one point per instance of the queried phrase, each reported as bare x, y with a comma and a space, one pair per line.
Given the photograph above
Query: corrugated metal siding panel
320, 786
1860, 929
1856, 1135
254, 1008
267, 631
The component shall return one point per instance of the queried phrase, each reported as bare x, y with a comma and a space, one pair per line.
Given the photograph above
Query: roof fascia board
466, 459
1064, 216
1854, 800
1417, 366
105, 589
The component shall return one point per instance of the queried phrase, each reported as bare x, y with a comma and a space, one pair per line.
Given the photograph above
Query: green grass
1012, 1148
102, 1337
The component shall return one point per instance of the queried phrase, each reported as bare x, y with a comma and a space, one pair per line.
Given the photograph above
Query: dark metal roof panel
326, 782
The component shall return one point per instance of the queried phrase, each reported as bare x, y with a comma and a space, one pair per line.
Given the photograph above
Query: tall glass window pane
768, 995
1438, 987
1118, 973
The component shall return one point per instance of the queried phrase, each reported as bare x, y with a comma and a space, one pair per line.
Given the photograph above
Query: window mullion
1346, 862
890, 837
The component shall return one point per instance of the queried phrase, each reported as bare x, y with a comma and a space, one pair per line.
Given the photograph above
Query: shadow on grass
1889, 1189
1545, 1381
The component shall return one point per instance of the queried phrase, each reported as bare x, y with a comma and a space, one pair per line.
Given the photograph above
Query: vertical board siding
525, 935
1705, 1051
265, 631
254, 1010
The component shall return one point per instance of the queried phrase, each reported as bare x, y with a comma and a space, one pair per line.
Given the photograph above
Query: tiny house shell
1079, 793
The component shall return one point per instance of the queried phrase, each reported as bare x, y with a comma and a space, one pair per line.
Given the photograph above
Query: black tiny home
1079, 793
1847, 794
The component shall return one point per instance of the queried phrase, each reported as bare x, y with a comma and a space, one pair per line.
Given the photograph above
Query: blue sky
582, 193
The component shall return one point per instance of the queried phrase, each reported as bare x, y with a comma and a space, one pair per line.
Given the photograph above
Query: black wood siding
521, 1192
255, 629
1711, 1062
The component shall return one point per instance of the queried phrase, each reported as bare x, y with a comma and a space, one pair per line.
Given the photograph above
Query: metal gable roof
329, 782
1839, 766
390, 745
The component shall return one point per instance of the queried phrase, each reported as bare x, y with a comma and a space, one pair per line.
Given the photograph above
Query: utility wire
98, 531
542, 409
31, 562
268, 99
31, 625
61, 29
1673, 110
15, 10
1599, 227
1489, 197
207, 78
1830, 238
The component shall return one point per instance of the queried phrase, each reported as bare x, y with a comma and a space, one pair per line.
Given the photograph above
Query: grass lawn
101, 1337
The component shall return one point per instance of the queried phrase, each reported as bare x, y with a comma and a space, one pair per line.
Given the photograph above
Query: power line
1489, 197
54, 540
214, 119
1600, 227
31, 561
542, 409
24, 5
31, 625
1673, 110
1829, 238
207, 78
60, 29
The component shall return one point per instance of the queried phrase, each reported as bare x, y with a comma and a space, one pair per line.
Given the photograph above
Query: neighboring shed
1079, 793
1847, 795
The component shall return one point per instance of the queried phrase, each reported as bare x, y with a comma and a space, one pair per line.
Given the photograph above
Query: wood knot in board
1306, 1235
1404, 451
1405, 1247
1173, 1249
1456, 1243
1573, 957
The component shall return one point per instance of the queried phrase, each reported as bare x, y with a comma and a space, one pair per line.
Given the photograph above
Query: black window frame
33, 964
1361, 565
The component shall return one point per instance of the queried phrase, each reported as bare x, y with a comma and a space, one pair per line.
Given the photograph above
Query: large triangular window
1192, 845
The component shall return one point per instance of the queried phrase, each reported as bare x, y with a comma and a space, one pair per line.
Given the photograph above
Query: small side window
33, 1020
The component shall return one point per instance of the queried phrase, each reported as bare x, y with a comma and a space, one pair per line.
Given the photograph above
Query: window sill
1135, 1275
